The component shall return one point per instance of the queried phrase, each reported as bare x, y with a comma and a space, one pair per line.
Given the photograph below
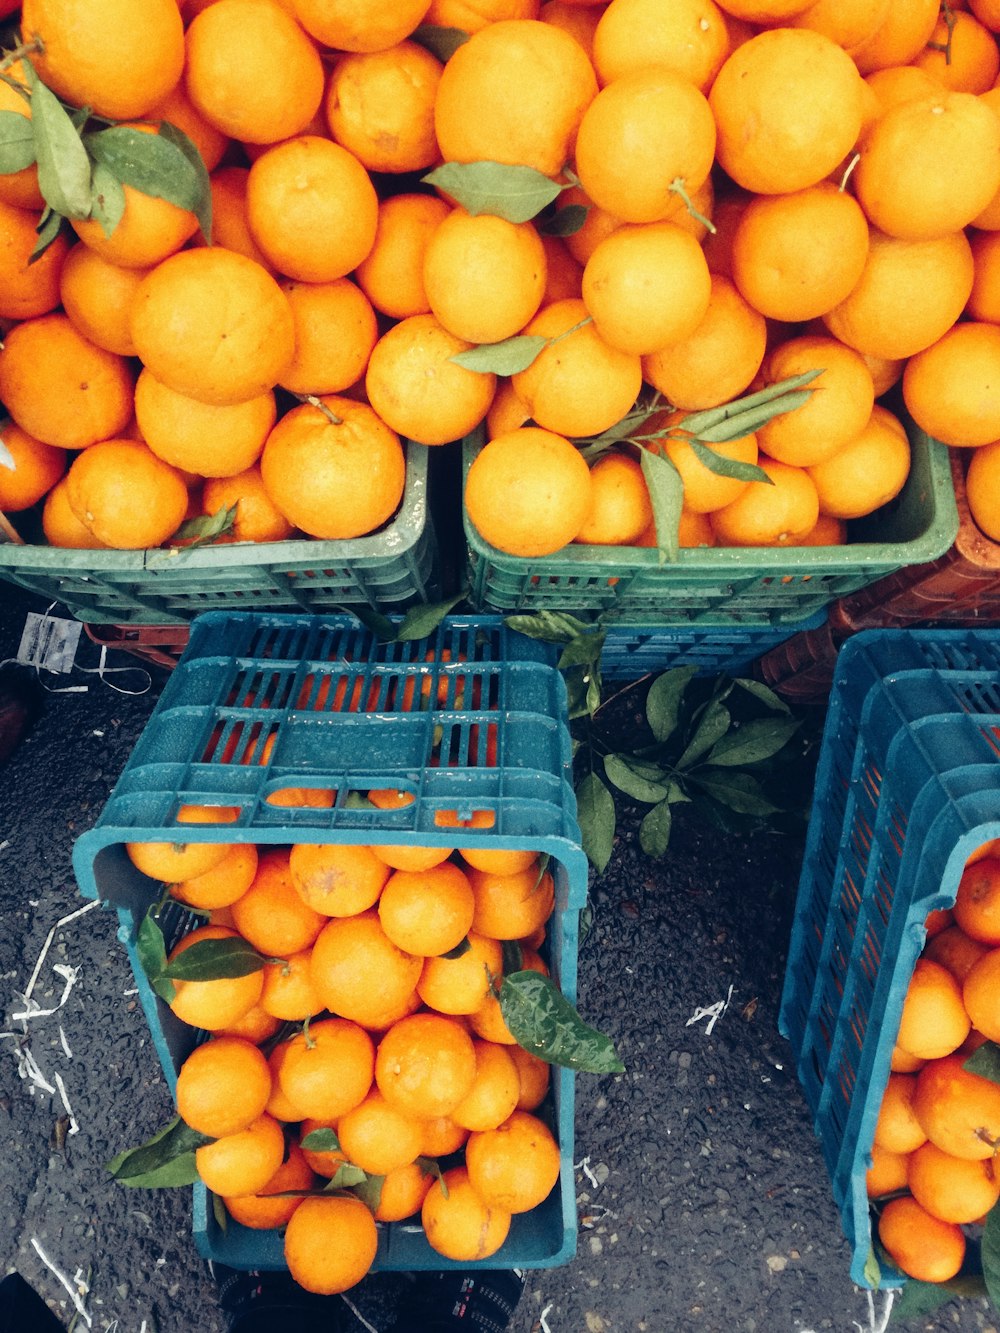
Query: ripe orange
339, 879
118, 57
934, 1022
127, 496
868, 471
27, 288
358, 25
406, 857
97, 297
256, 1025
598, 224
528, 492
456, 1221
921, 1245
425, 1065
471, 15
288, 992
498, 861
312, 208
334, 478
19, 187
178, 110
951, 388
564, 274
958, 1110
955, 951
403, 1191
172, 862
223, 1086
902, 34
897, 1128
269, 1207
515, 1166
952, 1188
244, 1162
416, 387
981, 994
212, 324
427, 912
972, 61
495, 1090
61, 388
230, 229
459, 985
330, 1243
358, 971
776, 515
271, 915
690, 38
237, 45
578, 20
257, 520
392, 273
887, 1173
324, 1163
223, 883
981, 489
620, 507
37, 468
638, 136
380, 106
328, 1070
977, 901
377, 1137
335, 331
213, 440
483, 276
509, 907
534, 1074
836, 412
850, 24
515, 92
577, 384
441, 1136
218, 1003
704, 490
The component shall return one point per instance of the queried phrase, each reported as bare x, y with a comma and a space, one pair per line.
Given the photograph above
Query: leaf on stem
548, 626
727, 467
421, 621
517, 193
545, 1023
663, 702
596, 815
712, 726
753, 741
166, 1159
502, 358
666, 495
153, 956
107, 198
63, 163
739, 791
764, 693
985, 1061
321, 1140
17, 142
565, 221
211, 960
206, 527
654, 831
623, 775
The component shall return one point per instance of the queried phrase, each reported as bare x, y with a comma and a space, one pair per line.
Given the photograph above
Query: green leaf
201, 202
441, 42
321, 1140
753, 741
918, 1299
700, 423
727, 467
548, 626
666, 495
623, 775
63, 163
153, 956
654, 831
502, 358
516, 193
583, 650
872, 1271
369, 1191
17, 142
167, 1159
421, 621
512, 956
206, 527
985, 1061
107, 199
544, 1022
739, 791
219, 1213
166, 165
346, 1176
713, 724
595, 808
764, 693
461, 948
990, 1255
211, 960
664, 700
566, 221
379, 625
49, 226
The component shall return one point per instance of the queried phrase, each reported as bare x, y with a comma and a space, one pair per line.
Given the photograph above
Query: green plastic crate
744, 585
389, 569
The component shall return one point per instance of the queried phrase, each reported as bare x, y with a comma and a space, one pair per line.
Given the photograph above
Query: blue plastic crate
472, 721
907, 786
633, 649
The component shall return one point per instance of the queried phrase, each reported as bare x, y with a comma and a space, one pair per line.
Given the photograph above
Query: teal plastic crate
907, 786
471, 721
638, 649
388, 570
748, 585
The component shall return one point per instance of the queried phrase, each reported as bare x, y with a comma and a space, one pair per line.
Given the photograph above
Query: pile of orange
149, 377
938, 1129
375, 1016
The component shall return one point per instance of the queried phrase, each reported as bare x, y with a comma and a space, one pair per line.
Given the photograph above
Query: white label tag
49, 642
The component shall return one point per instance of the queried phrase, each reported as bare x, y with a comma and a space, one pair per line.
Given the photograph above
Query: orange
488, 1021
60, 387
718, 360
335, 331
495, 1090
989, 218
769, 515
972, 61
360, 25
564, 275
958, 1110
427, 912
887, 1173
212, 324
178, 110
981, 996
984, 300
257, 520
955, 951
899, 83
498, 861
528, 492
977, 901
334, 478
484, 277
457, 1222
172, 862
981, 488
897, 1127
392, 273
899, 178
534, 1074
244, 1162
796, 256
359, 972
325, 1164
279, 1104
937, 920
311, 208
908, 295
237, 45
222, 1086
337, 879
764, 11
788, 106
330, 1244
837, 410
408, 857
951, 388
36, 469
328, 1069
641, 134
704, 490
61, 526
515, 1166
515, 92
271, 915
509, 907
97, 297
211, 439
620, 507
934, 1022
270, 1207
425, 1065
689, 38
223, 883
19, 187
867, 472
904, 1063
441, 1136
597, 225
288, 991
117, 57
416, 387
986, 12
902, 34
255, 1026
460, 985
229, 214
377, 1137
990, 848
579, 21
380, 106
921, 1245
127, 496
27, 288
471, 15
849, 24
403, 1191
578, 384
951, 1188
646, 287
218, 1003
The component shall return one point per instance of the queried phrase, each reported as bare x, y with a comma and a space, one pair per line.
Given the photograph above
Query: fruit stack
349, 879
907, 792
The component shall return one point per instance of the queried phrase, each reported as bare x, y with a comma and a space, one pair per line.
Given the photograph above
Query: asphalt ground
703, 1201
